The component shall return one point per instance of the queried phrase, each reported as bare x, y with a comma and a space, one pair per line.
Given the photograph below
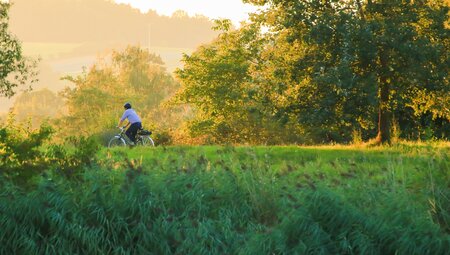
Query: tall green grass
238, 200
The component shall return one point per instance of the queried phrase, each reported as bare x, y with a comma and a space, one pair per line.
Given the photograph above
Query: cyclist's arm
122, 119
120, 123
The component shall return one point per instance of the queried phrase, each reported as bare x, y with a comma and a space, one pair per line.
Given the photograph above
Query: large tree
15, 69
343, 61
331, 66
134, 75
214, 79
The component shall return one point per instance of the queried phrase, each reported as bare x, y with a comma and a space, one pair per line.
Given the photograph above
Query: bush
21, 157
26, 153
105, 136
71, 158
163, 138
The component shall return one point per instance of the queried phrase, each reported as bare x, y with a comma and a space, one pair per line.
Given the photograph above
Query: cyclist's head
127, 106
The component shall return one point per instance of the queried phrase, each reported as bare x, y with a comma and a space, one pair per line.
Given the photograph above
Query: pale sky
234, 10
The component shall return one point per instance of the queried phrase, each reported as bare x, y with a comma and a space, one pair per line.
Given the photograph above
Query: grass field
239, 200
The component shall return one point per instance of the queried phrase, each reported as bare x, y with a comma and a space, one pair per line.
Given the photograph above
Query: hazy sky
234, 10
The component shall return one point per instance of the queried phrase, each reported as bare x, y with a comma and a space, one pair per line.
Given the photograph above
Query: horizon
235, 10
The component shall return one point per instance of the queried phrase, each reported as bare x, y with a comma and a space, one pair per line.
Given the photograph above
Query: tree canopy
133, 75
330, 67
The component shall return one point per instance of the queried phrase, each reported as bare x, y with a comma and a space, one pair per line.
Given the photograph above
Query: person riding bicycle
134, 121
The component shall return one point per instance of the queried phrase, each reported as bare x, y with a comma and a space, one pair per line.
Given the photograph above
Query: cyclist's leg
138, 127
132, 131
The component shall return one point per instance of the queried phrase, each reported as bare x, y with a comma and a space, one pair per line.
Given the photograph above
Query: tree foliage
331, 67
39, 106
15, 69
364, 58
133, 75
216, 76
219, 80
27, 153
20, 154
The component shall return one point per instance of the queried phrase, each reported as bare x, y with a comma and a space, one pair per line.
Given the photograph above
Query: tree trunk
361, 11
384, 111
384, 115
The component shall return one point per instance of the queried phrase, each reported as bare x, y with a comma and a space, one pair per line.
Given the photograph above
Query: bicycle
142, 138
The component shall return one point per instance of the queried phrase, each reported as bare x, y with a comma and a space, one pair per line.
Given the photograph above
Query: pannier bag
144, 132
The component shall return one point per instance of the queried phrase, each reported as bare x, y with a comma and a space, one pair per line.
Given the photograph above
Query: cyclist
133, 120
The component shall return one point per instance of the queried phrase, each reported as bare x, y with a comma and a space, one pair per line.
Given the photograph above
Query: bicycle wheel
147, 141
116, 142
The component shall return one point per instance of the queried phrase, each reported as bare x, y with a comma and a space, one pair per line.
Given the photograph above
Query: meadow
238, 200
309, 72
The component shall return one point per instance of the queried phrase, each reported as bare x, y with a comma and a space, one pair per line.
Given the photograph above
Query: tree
39, 106
217, 80
347, 60
214, 79
134, 75
330, 66
15, 69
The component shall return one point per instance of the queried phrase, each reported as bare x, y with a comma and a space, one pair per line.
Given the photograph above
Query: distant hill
81, 21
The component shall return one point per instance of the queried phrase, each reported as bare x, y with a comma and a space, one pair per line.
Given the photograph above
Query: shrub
73, 156
105, 136
21, 157
26, 153
163, 138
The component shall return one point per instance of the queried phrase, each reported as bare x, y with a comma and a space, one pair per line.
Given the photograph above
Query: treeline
81, 21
